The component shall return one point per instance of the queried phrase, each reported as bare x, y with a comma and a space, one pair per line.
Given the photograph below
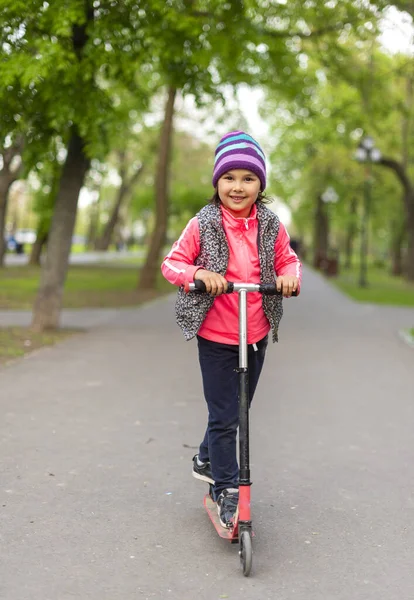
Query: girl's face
238, 190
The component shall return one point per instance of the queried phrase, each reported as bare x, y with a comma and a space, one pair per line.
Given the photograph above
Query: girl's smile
238, 190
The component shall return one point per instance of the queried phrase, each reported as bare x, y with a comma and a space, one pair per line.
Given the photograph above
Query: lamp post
329, 196
366, 153
321, 232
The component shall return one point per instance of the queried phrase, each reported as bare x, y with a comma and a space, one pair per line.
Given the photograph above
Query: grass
97, 286
81, 248
15, 342
382, 288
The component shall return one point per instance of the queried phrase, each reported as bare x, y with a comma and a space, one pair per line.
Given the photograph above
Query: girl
234, 238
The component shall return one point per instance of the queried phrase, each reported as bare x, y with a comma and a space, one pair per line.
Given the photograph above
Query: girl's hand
287, 284
214, 282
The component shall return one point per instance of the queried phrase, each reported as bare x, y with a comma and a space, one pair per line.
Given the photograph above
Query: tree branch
8, 155
399, 170
135, 176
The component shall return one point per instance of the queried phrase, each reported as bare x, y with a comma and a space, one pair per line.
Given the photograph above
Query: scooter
241, 531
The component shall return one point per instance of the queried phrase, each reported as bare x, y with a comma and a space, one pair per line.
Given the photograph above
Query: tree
190, 184
45, 199
73, 62
10, 171
364, 94
151, 267
128, 182
408, 200
47, 307
401, 169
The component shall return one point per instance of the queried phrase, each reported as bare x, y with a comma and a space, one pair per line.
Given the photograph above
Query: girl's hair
262, 198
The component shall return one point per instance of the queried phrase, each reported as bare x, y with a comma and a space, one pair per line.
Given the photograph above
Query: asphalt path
97, 436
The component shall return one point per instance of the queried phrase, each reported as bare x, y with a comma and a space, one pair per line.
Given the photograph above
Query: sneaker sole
203, 478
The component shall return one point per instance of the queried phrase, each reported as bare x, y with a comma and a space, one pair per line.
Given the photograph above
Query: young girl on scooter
234, 238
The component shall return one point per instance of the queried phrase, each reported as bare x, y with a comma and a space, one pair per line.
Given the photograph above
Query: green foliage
50, 83
317, 137
190, 186
44, 197
97, 64
60, 67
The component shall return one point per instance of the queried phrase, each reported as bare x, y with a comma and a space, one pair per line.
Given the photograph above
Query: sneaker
227, 506
203, 472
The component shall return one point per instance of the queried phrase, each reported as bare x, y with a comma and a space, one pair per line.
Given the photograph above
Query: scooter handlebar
269, 289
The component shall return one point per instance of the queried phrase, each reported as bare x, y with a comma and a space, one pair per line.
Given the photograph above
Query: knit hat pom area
238, 150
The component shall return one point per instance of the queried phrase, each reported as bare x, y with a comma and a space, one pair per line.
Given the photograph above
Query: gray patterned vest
191, 309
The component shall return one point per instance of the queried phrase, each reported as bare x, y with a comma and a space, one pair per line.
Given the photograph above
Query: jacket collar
239, 222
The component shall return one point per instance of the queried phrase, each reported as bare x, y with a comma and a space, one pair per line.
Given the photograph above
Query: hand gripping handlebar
269, 289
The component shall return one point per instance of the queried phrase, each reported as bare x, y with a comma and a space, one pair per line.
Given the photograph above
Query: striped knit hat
238, 150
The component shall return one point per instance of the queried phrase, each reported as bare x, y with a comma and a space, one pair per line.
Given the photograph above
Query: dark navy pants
221, 382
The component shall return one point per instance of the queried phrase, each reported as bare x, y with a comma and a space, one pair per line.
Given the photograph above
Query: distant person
234, 238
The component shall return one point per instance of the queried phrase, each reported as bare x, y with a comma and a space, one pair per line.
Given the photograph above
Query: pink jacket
221, 322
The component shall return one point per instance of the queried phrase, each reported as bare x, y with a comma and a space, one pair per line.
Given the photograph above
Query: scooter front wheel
246, 552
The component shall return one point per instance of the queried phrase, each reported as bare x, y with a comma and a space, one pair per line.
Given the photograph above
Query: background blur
110, 112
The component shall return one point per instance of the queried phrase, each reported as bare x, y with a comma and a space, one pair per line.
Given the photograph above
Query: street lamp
321, 233
330, 195
366, 153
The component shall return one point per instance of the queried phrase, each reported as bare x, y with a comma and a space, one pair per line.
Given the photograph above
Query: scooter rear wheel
246, 552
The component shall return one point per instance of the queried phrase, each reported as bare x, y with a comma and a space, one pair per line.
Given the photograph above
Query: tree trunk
48, 304
7, 177
321, 234
92, 235
396, 258
350, 234
104, 242
409, 267
36, 253
408, 199
150, 270
4, 194
349, 248
398, 234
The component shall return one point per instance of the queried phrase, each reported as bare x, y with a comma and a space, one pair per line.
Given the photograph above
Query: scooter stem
243, 392
243, 329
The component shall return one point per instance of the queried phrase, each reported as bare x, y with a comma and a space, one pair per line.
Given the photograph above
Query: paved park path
96, 440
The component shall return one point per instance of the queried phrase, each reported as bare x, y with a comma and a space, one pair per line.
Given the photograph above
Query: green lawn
101, 286
95, 286
382, 287
115, 285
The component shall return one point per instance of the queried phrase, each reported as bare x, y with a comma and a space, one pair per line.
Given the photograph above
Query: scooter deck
211, 508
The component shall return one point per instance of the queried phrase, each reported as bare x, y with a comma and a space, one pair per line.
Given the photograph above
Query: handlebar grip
200, 287
269, 289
